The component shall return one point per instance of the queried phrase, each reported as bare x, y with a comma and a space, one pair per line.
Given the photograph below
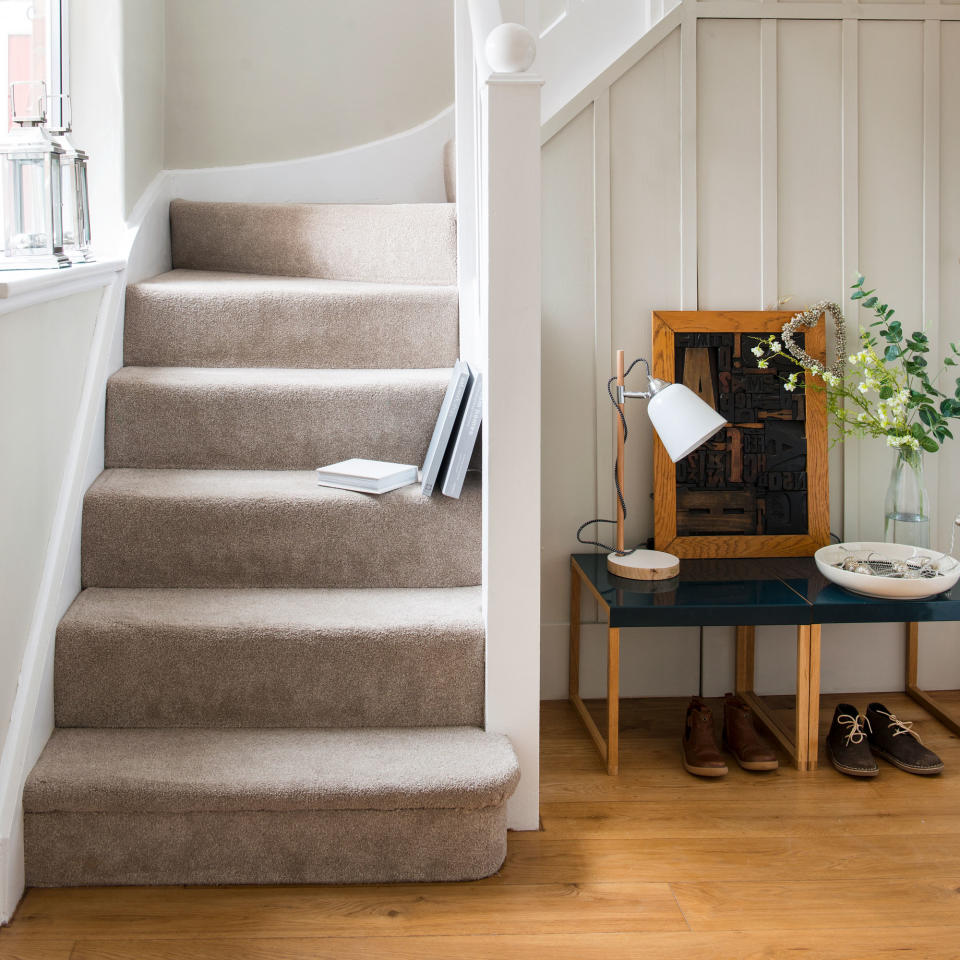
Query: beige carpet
266, 681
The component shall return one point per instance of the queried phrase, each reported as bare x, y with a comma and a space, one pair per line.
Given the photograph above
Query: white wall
820, 146
44, 350
248, 81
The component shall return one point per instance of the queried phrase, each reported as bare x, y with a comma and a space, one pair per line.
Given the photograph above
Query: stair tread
273, 528
405, 242
286, 486
260, 657
220, 283
176, 771
269, 418
222, 319
319, 610
280, 378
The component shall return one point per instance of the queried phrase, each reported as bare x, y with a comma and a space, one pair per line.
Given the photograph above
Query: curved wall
248, 82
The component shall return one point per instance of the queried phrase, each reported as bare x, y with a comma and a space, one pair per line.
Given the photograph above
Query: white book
366, 476
466, 437
439, 442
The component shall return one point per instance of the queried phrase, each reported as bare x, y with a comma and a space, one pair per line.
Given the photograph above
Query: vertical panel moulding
769, 167
850, 52
689, 203
891, 206
729, 163
603, 320
931, 234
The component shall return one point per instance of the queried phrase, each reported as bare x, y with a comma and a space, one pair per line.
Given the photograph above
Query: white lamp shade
682, 420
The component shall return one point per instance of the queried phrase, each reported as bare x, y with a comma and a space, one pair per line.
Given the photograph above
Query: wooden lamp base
644, 565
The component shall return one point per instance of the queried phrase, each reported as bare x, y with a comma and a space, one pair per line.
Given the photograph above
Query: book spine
466, 439
447, 415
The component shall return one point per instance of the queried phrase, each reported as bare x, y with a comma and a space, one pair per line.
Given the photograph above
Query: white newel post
509, 267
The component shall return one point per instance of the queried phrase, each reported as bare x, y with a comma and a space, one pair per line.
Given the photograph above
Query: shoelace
903, 726
856, 734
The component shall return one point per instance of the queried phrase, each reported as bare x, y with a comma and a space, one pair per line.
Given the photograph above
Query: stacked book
448, 456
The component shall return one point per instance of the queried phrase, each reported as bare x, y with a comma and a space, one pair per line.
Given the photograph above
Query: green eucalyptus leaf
929, 416
929, 444
871, 302
858, 294
886, 392
917, 431
892, 352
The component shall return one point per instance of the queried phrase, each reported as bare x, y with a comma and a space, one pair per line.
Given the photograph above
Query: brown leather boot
740, 736
701, 756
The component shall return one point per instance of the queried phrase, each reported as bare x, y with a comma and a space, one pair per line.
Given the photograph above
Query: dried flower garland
810, 318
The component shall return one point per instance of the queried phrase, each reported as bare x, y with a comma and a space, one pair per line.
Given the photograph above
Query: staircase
263, 680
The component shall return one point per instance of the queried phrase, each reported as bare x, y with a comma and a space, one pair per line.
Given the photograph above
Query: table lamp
683, 423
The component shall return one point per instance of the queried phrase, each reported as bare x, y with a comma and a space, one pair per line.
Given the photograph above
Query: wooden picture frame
696, 532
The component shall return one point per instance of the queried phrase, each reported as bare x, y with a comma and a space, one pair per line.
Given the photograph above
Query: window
31, 49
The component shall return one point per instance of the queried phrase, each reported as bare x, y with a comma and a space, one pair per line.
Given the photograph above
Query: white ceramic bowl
886, 587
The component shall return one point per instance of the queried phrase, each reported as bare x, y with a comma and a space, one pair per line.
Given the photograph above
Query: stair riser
397, 540
136, 676
380, 243
163, 327
219, 426
334, 846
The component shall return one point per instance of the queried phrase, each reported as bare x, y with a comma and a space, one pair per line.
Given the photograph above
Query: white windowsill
23, 288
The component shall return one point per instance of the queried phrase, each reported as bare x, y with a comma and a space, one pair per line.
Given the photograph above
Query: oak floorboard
534, 858
189, 913
747, 818
748, 905
28, 948
854, 944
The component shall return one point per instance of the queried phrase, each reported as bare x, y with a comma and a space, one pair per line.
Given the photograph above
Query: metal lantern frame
31, 181
74, 193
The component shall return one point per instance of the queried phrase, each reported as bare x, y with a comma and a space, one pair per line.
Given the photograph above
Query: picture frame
760, 487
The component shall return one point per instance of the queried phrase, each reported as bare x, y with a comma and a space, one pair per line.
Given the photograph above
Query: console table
743, 594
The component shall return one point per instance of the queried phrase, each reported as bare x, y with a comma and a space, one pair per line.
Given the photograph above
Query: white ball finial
510, 48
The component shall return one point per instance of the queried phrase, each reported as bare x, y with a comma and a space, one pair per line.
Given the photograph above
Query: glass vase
907, 508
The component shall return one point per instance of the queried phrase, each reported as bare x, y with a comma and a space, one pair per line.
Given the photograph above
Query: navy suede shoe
891, 738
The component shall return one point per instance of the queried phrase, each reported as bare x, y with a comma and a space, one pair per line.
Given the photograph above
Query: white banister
498, 211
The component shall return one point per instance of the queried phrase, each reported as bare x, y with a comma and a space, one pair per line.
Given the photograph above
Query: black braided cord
616, 481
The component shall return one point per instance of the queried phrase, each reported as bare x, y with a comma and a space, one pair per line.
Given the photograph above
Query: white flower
831, 379
762, 364
757, 351
862, 387
862, 417
775, 346
789, 387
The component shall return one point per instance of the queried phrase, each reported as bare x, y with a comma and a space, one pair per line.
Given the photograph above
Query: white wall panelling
756, 150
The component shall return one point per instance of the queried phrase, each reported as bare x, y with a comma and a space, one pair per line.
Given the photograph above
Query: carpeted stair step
377, 242
190, 318
267, 806
236, 528
264, 419
270, 658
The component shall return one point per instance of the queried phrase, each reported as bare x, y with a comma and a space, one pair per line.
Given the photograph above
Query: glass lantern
30, 179
73, 186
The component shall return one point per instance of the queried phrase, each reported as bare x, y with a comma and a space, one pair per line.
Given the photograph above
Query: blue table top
749, 592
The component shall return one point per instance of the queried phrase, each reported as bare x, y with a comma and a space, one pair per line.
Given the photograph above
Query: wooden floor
651, 864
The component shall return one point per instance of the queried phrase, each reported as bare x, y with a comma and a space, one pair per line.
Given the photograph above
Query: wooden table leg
911, 682
574, 687
813, 700
744, 663
613, 701
803, 696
